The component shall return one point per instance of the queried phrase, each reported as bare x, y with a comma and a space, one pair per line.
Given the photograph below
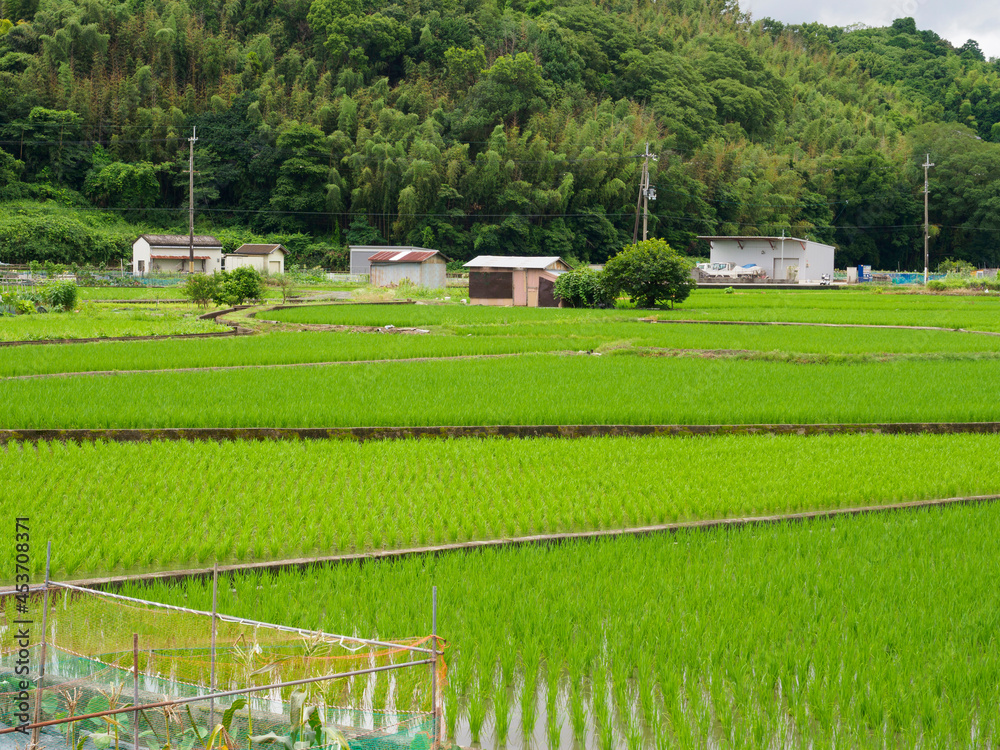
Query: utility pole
927, 234
191, 140
646, 194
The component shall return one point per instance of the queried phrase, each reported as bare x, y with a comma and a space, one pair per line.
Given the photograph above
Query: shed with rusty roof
518, 281
170, 253
265, 258
420, 266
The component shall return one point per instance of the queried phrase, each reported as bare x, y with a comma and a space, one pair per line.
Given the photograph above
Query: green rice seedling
553, 719
476, 704
452, 708
501, 709
527, 390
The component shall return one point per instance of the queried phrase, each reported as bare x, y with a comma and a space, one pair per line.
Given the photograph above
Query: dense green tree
650, 272
498, 127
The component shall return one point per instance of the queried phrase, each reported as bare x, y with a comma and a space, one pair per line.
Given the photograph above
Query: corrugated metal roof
180, 240
258, 249
178, 257
741, 238
402, 256
512, 261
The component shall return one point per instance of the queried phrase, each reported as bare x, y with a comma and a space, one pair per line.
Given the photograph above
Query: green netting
103, 654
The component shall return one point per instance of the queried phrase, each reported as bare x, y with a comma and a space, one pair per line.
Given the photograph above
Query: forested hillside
486, 126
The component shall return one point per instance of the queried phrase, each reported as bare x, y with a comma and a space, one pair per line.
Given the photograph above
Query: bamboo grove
482, 127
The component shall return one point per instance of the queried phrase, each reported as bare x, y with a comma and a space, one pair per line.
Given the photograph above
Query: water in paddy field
541, 736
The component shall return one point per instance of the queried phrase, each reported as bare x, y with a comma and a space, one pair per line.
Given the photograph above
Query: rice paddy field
96, 320
856, 307
278, 500
871, 631
536, 389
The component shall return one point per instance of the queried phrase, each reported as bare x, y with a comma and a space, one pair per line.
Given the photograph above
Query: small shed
782, 258
265, 258
424, 268
504, 280
170, 253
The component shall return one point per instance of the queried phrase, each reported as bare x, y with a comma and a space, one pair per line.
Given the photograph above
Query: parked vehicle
731, 271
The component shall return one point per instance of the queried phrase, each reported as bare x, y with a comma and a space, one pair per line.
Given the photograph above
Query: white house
164, 253
265, 258
783, 258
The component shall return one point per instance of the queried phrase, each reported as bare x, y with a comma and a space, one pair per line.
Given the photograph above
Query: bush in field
650, 272
936, 285
201, 288
60, 294
239, 286
961, 267
583, 287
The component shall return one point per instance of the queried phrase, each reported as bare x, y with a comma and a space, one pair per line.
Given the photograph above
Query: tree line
486, 127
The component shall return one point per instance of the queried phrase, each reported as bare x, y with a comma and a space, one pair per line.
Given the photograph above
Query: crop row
312, 346
535, 389
868, 632
114, 508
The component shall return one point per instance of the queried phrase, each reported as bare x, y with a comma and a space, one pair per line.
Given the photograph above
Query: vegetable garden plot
865, 632
180, 679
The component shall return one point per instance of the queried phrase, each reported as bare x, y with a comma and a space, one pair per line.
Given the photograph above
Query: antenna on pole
191, 140
927, 165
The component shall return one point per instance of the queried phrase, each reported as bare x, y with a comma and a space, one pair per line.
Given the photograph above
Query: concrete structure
424, 268
168, 253
265, 258
514, 281
782, 258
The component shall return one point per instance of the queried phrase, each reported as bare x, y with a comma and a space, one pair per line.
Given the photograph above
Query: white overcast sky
955, 20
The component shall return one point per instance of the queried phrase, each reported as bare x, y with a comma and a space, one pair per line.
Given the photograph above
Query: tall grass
537, 389
866, 632
113, 508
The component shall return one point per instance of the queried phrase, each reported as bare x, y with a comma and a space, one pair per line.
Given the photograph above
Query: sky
955, 20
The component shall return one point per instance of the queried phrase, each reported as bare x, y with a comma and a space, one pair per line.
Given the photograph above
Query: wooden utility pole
646, 194
927, 234
191, 140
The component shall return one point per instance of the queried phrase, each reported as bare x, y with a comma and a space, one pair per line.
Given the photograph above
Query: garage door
781, 267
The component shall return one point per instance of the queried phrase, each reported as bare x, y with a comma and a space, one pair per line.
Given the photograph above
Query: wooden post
434, 666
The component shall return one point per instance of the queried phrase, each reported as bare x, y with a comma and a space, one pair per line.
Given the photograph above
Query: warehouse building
426, 268
265, 258
170, 253
783, 258
514, 281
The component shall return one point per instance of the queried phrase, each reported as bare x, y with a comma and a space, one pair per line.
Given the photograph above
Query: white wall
814, 259
140, 251
214, 262
263, 263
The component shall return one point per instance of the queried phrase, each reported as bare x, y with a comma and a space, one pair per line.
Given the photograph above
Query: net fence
261, 686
